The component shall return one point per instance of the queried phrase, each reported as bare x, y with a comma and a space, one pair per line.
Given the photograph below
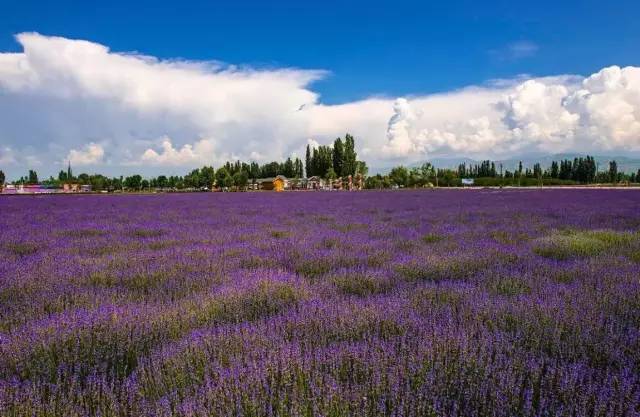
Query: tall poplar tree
338, 156
307, 162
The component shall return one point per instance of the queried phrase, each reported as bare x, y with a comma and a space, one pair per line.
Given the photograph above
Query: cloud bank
63, 99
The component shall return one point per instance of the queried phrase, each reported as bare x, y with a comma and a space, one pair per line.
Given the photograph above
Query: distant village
279, 183
327, 168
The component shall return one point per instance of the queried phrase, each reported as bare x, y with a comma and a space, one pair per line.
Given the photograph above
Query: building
70, 188
31, 189
315, 183
279, 183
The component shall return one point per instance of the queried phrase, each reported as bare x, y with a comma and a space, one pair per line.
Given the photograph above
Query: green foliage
577, 244
133, 182
82, 233
312, 268
432, 238
341, 159
33, 177
147, 233
223, 178
279, 234
442, 269
509, 286
399, 176
360, 284
21, 248
426, 298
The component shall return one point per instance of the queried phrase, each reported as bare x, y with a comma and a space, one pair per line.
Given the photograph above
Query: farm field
405, 303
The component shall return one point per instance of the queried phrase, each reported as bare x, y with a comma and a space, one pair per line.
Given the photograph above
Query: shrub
432, 238
509, 286
146, 233
441, 269
582, 243
22, 248
425, 298
360, 284
312, 268
81, 233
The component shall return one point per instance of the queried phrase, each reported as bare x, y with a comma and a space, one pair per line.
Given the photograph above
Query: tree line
340, 160
581, 170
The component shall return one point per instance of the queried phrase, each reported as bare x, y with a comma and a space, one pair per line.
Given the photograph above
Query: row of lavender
426, 303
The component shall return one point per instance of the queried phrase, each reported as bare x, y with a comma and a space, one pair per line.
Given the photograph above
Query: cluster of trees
339, 160
324, 161
580, 170
401, 176
577, 171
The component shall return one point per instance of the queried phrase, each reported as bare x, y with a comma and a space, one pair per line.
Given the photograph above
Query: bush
22, 248
509, 286
432, 238
581, 244
442, 269
361, 284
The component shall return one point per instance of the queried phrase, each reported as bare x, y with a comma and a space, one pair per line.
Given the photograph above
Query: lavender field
405, 303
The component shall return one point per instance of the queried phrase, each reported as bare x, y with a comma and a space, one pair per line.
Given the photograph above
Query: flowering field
425, 303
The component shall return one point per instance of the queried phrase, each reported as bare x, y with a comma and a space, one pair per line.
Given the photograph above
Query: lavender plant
412, 303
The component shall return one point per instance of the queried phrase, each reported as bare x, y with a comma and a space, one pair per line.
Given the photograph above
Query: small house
71, 187
279, 183
314, 183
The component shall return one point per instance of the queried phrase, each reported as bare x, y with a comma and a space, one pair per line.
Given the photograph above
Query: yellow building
278, 183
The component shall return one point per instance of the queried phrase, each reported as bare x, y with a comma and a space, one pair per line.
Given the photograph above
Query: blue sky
165, 87
371, 48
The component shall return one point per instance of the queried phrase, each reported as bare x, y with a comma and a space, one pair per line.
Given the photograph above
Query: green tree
133, 182
240, 179
254, 170
331, 174
33, 177
288, 169
206, 177
613, 171
554, 170
299, 168
223, 178
399, 176
307, 162
162, 181
192, 179
2, 178
362, 168
83, 178
350, 156
338, 156
270, 170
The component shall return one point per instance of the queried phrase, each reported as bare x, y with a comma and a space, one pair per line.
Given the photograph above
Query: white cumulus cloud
74, 99
188, 154
90, 154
